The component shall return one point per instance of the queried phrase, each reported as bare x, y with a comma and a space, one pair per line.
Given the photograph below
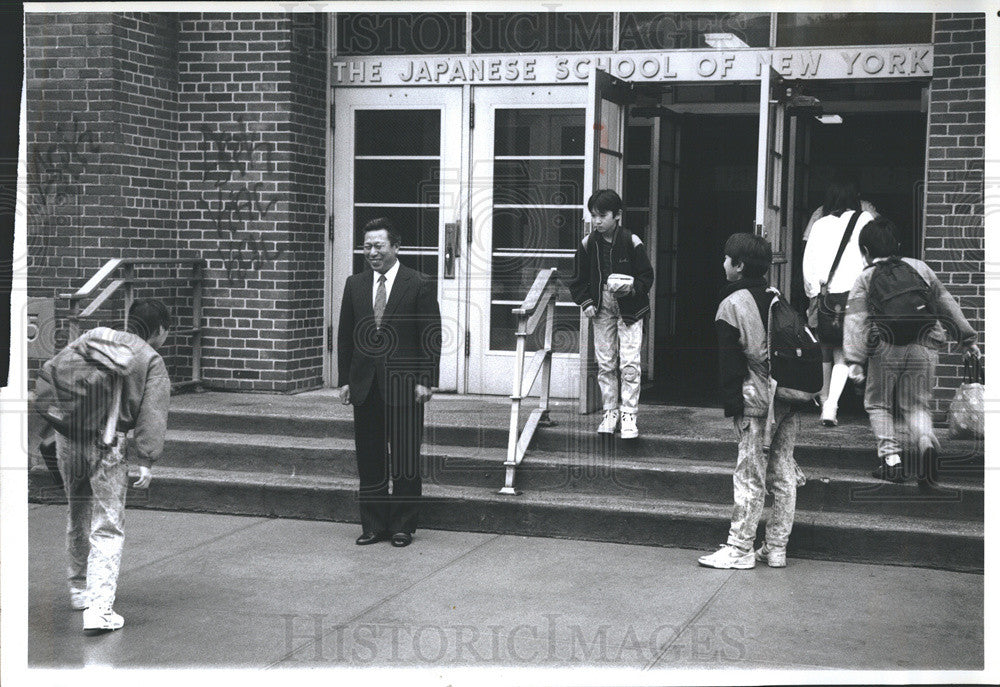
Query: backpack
794, 355
899, 302
78, 391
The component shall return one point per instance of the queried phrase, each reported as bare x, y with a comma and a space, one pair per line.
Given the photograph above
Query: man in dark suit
389, 348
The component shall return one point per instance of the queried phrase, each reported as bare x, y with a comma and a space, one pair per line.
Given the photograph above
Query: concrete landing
215, 591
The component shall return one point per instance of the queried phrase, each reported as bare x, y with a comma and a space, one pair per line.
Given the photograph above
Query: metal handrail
540, 301
125, 267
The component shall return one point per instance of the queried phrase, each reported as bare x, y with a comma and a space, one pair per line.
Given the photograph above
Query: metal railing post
199, 278
515, 407
128, 272
529, 313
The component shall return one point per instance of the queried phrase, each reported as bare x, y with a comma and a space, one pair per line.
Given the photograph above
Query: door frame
340, 237
482, 361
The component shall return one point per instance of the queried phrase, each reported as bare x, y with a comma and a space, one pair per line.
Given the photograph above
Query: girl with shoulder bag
830, 264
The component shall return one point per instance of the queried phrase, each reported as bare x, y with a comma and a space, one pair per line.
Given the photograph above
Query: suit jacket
401, 353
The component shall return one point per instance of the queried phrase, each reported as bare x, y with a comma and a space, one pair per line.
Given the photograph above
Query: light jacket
744, 381
628, 256
821, 249
145, 388
943, 306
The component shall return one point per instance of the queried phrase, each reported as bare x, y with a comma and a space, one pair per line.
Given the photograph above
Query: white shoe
729, 557
629, 430
97, 619
775, 557
610, 422
829, 415
78, 599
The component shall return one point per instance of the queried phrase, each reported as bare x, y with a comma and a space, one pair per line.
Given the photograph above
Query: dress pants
387, 441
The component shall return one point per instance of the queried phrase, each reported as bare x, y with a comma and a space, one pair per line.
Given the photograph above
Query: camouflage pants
757, 472
96, 480
617, 348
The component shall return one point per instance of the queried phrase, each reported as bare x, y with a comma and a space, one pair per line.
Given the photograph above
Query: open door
800, 126
770, 220
604, 167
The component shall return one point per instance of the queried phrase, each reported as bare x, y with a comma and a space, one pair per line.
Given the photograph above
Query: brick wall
166, 135
251, 195
954, 239
102, 139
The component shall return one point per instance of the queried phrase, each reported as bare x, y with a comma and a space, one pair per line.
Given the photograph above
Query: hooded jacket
145, 389
628, 256
743, 356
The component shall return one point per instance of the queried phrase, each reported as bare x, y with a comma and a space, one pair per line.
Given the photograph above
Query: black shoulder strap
843, 244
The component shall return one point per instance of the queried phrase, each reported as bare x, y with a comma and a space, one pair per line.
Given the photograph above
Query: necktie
380, 300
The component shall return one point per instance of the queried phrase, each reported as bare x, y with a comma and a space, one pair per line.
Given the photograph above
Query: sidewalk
224, 591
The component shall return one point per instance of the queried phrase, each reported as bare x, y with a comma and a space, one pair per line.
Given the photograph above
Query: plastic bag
966, 416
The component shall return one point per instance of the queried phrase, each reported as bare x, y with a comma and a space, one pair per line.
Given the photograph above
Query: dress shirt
390, 277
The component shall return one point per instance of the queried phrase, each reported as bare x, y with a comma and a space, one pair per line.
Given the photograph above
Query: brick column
252, 199
953, 243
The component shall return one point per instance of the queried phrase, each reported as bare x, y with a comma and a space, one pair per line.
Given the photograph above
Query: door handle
451, 231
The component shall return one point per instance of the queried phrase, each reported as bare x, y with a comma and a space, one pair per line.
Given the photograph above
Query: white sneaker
610, 422
629, 430
97, 619
775, 557
729, 557
78, 599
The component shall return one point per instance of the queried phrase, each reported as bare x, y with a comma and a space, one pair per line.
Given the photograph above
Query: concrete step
665, 477
884, 539
844, 447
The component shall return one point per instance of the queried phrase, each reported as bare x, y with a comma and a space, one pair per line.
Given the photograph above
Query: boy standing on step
612, 276
748, 398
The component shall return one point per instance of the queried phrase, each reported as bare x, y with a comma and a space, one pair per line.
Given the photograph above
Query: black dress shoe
402, 539
371, 538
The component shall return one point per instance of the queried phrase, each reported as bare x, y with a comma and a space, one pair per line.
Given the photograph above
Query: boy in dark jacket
747, 397
616, 307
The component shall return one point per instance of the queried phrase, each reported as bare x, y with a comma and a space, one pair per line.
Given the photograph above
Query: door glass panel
537, 216
538, 132
539, 182
852, 28
565, 337
416, 33
500, 32
532, 228
399, 179
673, 30
377, 132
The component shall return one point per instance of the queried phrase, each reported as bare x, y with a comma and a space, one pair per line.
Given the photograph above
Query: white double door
486, 187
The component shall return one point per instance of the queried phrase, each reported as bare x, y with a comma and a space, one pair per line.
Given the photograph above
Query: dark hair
605, 200
841, 195
878, 237
146, 316
751, 250
380, 223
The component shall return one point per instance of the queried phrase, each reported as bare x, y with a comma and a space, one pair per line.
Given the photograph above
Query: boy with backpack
748, 396
896, 317
103, 385
612, 276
